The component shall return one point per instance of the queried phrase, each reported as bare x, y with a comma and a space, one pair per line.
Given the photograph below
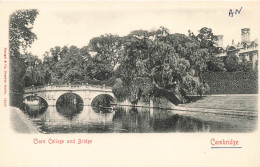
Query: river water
85, 119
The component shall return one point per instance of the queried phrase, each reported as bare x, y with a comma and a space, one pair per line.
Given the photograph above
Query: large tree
156, 63
106, 50
33, 73
20, 37
65, 65
207, 41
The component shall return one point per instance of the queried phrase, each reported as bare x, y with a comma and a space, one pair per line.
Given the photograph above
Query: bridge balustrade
67, 86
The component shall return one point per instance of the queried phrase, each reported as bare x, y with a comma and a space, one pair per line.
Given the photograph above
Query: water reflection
69, 111
34, 110
103, 109
182, 124
102, 101
79, 119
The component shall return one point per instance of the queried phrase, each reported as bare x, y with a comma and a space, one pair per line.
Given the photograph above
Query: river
85, 119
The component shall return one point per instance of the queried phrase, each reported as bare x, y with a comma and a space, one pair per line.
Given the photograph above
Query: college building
246, 49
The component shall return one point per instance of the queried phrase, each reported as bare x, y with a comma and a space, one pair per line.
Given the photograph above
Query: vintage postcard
138, 83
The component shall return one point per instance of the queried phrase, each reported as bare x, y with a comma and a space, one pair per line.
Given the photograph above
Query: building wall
246, 49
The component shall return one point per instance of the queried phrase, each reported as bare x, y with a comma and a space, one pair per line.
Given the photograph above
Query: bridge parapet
67, 87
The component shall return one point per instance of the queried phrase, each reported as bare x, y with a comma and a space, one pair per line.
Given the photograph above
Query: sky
76, 24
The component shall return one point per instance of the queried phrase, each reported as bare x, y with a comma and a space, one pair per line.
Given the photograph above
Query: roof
256, 40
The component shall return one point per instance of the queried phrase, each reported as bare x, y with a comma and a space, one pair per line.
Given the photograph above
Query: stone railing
66, 87
248, 50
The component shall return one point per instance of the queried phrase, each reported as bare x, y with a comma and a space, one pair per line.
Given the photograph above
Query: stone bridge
51, 93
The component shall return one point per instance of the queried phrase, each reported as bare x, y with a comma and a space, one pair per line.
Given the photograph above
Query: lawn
226, 102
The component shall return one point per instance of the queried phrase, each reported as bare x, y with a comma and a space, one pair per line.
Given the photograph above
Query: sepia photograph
152, 79
132, 68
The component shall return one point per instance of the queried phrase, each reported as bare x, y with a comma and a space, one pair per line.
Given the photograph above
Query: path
20, 122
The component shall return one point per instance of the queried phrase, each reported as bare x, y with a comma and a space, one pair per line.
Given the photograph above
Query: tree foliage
140, 66
155, 60
207, 41
231, 63
65, 65
20, 37
106, 50
33, 73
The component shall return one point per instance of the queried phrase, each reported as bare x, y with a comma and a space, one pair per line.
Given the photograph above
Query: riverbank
239, 112
229, 104
234, 102
20, 122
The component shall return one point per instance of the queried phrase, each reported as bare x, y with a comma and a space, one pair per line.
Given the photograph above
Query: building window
245, 46
250, 57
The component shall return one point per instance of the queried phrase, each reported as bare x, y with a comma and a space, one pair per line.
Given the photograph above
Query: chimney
220, 40
245, 35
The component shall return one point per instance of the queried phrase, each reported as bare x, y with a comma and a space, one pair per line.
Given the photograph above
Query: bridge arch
35, 95
84, 93
69, 98
104, 100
